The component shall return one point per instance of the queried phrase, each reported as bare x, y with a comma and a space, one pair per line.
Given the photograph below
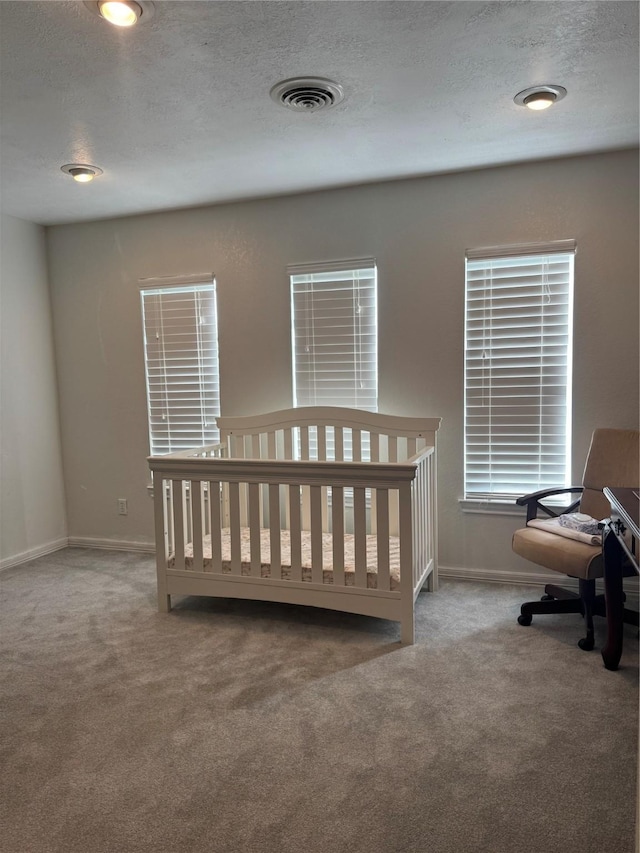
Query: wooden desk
620, 557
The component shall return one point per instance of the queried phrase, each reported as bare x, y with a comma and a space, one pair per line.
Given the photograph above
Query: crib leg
407, 631
164, 599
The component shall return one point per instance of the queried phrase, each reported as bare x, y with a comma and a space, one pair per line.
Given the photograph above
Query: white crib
322, 506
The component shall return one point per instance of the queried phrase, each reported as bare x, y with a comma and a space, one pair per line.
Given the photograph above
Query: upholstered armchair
613, 461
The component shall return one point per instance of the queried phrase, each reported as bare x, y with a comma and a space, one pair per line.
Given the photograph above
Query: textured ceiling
177, 111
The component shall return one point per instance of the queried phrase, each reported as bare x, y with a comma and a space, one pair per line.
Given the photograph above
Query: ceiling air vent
307, 94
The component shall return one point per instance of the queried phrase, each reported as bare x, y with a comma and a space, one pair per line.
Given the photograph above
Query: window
181, 360
335, 336
334, 323
518, 369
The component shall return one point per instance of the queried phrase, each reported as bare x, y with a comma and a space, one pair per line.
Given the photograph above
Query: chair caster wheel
586, 644
546, 597
524, 619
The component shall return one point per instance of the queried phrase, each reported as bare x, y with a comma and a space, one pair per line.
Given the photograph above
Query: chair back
613, 460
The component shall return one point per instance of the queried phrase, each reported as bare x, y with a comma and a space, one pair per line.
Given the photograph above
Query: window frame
207, 398
344, 267
326, 268
566, 248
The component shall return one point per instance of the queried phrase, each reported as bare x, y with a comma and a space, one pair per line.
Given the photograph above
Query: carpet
230, 726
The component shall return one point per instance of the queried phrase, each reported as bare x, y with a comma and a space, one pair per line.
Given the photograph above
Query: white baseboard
631, 584
111, 544
33, 553
501, 576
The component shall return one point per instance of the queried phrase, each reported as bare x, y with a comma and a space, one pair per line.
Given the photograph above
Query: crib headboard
327, 432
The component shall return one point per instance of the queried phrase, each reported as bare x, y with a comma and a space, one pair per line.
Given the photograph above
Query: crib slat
412, 444
325, 508
178, 523
304, 442
271, 445
423, 476
216, 525
322, 442
288, 443
168, 514
255, 446
356, 445
337, 527
407, 630
316, 534
394, 513
382, 538
415, 492
196, 524
162, 543
306, 508
424, 512
224, 504
234, 524
254, 528
162, 488
186, 514
294, 533
339, 443
244, 505
274, 530
374, 452
360, 536
429, 513
284, 446
268, 450
433, 539
416, 524
431, 495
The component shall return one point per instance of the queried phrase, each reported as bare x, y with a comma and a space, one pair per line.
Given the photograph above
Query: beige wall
32, 504
418, 231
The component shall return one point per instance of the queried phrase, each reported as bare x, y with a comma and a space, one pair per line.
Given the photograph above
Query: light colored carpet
245, 727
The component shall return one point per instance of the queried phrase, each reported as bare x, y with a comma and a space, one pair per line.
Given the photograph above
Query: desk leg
612, 556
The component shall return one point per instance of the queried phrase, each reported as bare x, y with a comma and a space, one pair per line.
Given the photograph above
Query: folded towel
555, 525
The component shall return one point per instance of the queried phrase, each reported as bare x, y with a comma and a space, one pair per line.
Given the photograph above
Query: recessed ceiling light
122, 13
119, 12
81, 172
540, 97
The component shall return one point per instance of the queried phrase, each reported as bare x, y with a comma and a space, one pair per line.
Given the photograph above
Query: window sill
489, 507
485, 506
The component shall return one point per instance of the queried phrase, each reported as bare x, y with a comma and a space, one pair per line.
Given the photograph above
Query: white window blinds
335, 335
518, 369
181, 359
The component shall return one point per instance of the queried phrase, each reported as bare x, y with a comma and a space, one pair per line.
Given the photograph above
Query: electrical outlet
122, 506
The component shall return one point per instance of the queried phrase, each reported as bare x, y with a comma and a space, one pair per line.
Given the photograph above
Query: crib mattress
285, 557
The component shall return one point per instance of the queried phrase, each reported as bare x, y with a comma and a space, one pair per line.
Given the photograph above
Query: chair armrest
533, 501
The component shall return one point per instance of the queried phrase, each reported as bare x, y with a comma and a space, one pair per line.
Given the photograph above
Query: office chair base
556, 599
